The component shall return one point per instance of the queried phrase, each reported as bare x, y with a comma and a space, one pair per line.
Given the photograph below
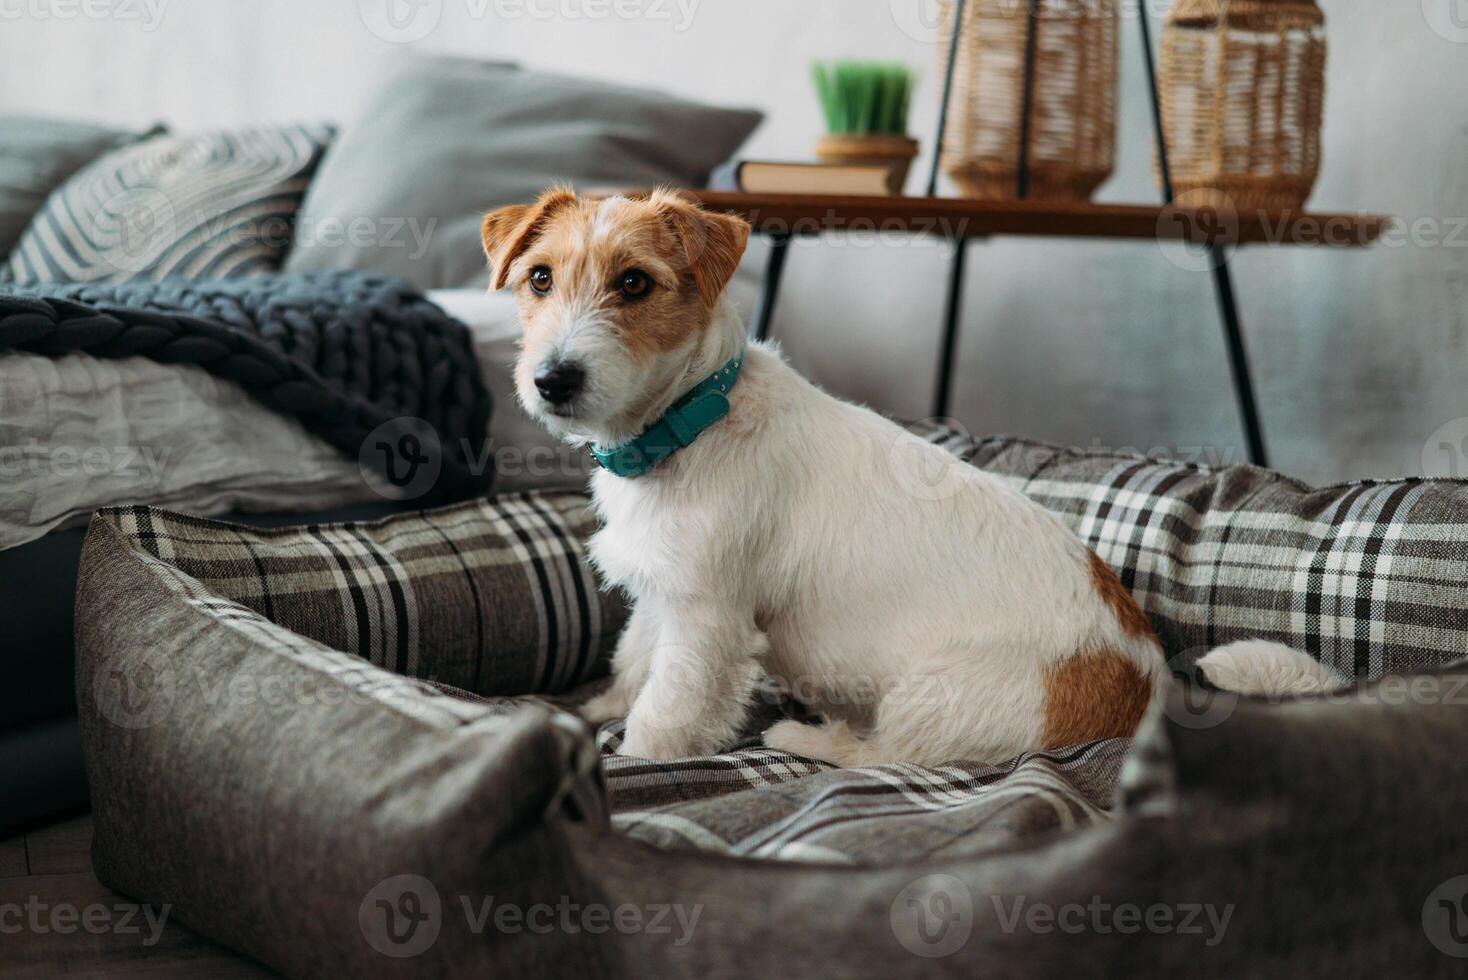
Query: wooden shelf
959, 217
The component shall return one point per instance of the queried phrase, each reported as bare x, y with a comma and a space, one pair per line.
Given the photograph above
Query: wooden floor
48, 890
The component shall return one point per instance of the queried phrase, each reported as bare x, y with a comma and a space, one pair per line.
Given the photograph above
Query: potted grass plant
865, 105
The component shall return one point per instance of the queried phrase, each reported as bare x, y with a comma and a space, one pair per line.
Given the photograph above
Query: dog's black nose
560, 383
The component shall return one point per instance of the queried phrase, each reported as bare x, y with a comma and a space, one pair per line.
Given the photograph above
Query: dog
763, 527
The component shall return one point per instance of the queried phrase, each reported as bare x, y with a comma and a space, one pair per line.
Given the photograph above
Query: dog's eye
633, 284
540, 279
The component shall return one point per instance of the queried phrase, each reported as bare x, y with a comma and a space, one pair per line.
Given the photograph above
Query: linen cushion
202, 206
492, 596
404, 189
36, 155
1368, 577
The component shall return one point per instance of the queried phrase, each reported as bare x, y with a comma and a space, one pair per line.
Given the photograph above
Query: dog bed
346, 749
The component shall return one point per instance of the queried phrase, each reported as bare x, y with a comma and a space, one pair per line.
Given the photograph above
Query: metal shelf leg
953, 307
1238, 357
770, 288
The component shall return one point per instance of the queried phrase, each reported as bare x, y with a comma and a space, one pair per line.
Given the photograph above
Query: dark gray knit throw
343, 352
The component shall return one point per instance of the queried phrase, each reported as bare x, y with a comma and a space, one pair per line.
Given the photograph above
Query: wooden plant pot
873, 149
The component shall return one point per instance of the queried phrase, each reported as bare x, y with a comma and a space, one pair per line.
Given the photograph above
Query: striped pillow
202, 207
1367, 576
491, 596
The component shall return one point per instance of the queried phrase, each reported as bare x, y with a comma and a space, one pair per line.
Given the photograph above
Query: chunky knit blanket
345, 353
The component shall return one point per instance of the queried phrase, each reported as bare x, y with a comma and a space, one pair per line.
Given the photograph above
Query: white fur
891, 586
1259, 667
911, 599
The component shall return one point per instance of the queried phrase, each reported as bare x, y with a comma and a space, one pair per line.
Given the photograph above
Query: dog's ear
712, 243
508, 231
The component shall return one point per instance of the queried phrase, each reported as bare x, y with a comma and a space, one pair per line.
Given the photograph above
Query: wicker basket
1072, 139
1242, 89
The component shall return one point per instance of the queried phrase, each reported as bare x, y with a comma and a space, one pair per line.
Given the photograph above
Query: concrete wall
1360, 355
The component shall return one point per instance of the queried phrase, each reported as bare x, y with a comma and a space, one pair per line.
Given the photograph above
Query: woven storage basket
1072, 139
1242, 90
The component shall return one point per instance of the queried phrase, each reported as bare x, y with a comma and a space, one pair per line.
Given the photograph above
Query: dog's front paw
831, 742
794, 737
646, 742
606, 706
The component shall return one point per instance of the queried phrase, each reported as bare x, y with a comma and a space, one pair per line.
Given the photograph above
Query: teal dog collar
700, 408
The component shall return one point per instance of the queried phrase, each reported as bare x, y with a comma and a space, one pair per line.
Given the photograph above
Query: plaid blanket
758, 802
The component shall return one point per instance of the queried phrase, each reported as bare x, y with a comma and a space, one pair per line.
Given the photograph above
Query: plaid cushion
491, 596
1368, 577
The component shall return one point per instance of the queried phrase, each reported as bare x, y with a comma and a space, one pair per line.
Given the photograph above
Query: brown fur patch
1129, 615
508, 231
1091, 695
689, 253
712, 244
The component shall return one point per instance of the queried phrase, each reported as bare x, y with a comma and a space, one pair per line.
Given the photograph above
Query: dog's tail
1260, 667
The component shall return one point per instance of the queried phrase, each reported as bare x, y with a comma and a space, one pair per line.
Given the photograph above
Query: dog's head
617, 300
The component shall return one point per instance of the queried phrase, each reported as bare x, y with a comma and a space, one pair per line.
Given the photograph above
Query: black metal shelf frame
1228, 310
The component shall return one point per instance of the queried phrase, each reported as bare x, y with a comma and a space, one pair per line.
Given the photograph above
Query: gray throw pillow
404, 189
203, 206
36, 155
